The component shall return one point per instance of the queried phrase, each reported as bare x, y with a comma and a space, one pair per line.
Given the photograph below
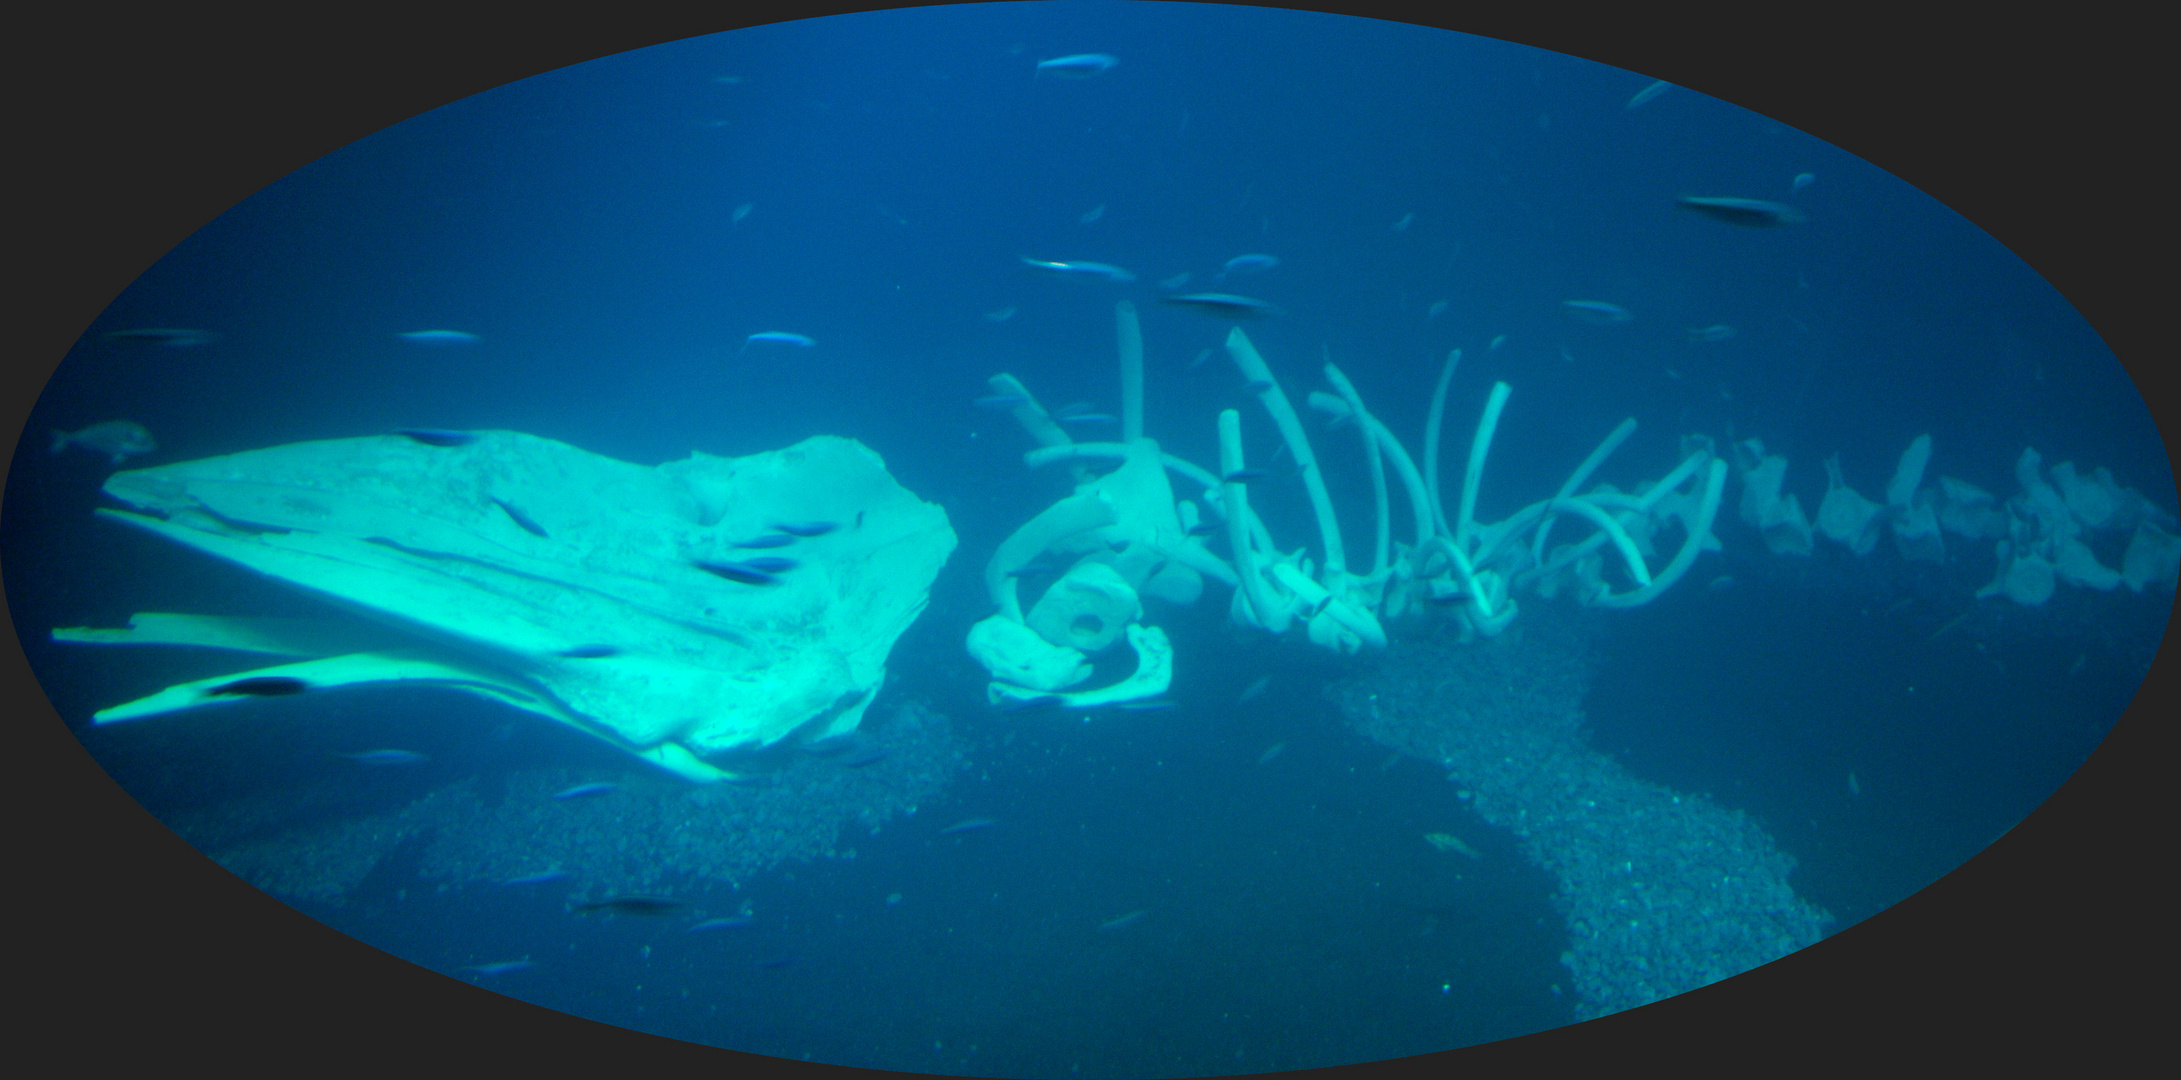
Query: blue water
896, 168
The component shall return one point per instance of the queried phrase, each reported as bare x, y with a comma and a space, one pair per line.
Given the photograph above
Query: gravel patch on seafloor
1663, 892
654, 833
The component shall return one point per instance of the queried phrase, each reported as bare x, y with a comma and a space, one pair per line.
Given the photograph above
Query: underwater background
584, 226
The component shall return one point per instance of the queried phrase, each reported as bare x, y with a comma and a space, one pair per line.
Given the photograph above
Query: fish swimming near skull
117, 439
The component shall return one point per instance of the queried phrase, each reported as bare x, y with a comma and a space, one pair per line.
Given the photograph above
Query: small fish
1201, 357
831, 744
1249, 264
729, 922
1854, 788
1254, 690
1647, 93
769, 540
438, 338
1156, 705
1224, 305
1496, 343
1437, 306
117, 439
805, 529
437, 437
1721, 583
1177, 281
1750, 213
775, 964
1079, 66
1090, 418
540, 878
1271, 752
386, 757
1092, 214
580, 791
261, 686
633, 904
1595, 311
1448, 842
968, 825
741, 212
501, 968
1715, 332
171, 337
1081, 269
1122, 922
1244, 476
778, 337
1802, 180
1257, 386
770, 564
1403, 224
589, 652
1026, 703
1001, 401
736, 572
863, 756
522, 520
1071, 409
1002, 315
1206, 528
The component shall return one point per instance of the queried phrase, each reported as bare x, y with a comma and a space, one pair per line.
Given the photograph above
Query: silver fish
728, 923
387, 757
579, 791
1081, 269
501, 968
1647, 93
1224, 305
779, 337
1120, 922
1751, 213
438, 337
171, 337
1595, 311
1079, 66
117, 439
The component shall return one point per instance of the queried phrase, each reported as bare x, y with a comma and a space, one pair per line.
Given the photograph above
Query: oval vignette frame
1992, 937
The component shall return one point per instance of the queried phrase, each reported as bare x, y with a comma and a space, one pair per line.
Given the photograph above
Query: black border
142, 123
